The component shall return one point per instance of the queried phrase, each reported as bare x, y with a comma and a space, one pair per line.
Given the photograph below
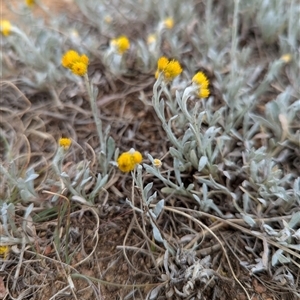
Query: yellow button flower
137, 157
128, 160
4, 250
170, 69
69, 58
169, 23
151, 39
5, 27
65, 143
121, 44
76, 63
286, 58
30, 2
202, 81
203, 93
162, 63
84, 59
157, 163
79, 68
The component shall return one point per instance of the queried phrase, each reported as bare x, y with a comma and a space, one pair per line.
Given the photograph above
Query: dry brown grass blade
179, 211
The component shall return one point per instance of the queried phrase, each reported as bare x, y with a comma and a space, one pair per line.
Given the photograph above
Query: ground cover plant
150, 150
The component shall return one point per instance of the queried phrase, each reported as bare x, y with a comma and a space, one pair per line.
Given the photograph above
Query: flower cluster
202, 82
128, 160
170, 69
121, 44
75, 62
5, 27
65, 143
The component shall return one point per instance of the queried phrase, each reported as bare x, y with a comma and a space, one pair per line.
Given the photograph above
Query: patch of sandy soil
107, 262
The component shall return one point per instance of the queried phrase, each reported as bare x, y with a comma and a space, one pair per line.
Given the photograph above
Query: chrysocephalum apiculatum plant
228, 105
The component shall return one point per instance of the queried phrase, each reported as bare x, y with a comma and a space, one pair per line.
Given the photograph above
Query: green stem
98, 122
234, 39
160, 114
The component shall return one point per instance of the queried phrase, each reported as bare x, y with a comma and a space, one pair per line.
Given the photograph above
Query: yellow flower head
84, 59
170, 69
30, 2
121, 43
202, 81
4, 250
286, 58
128, 160
137, 157
5, 27
76, 63
65, 143
157, 163
162, 63
151, 39
79, 68
169, 23
69, 58
203, 93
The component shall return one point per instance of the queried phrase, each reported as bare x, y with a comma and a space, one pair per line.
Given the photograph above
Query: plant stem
98, 122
